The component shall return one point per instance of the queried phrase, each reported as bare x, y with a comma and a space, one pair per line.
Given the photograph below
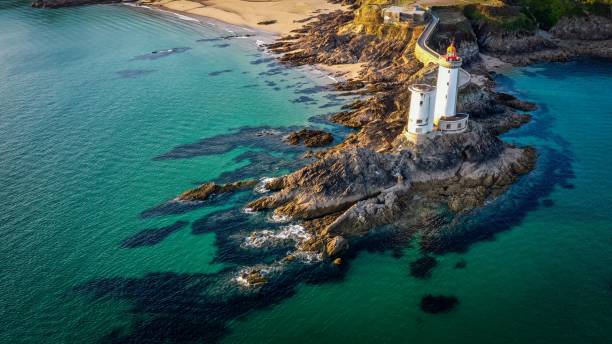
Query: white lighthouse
422, 101
434, 109
448, 85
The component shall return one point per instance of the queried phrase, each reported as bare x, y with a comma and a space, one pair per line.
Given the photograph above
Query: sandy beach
275, 16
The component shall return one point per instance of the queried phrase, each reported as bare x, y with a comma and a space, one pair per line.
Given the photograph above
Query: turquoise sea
98, 135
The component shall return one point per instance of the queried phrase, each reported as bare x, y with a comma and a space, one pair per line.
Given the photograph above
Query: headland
379, 177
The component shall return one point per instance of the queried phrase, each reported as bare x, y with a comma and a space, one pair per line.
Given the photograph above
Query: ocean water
97, 135
97, 132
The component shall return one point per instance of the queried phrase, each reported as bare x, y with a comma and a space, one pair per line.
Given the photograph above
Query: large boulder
336, 246
310, 137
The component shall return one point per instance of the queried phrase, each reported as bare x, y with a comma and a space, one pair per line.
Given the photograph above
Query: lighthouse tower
420, 118
448, 84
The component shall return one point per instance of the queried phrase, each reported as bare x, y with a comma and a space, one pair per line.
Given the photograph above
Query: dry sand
286, 14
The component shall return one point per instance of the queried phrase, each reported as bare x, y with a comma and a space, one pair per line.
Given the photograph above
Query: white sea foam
258, 239
264, 270
275, 218
261, 186
187, 18
248, 211
307, 256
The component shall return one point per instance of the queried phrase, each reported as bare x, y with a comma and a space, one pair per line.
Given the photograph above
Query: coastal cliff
508, 33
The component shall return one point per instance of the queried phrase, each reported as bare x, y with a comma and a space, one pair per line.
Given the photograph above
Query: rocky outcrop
331, 184
66, 3
515, 103
588, 27
336, 246
310, 138
364, 189
204, 191
571, 37
254, 277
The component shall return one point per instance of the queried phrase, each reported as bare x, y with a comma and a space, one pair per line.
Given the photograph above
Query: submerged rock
460, 264
422, 267
255, 277
204, 191
438, 304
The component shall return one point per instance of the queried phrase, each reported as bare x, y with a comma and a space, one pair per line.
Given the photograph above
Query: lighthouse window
448, 83
421, 102
418, 130
448, 126
419, 121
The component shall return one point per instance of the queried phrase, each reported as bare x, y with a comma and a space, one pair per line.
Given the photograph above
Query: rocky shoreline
377, 178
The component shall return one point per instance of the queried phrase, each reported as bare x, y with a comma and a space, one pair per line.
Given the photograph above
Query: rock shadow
422, 267
176, 207
158, 54
219, 72
152, 236
133, 73
266, 138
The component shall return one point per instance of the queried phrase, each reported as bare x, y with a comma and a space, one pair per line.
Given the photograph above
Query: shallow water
98, 134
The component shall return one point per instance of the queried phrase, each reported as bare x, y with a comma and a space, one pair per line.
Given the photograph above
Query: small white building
397, 14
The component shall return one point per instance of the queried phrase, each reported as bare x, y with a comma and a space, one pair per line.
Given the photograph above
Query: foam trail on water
295, 233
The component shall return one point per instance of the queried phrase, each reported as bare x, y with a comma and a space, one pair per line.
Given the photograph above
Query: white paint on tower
446, 98
420, 118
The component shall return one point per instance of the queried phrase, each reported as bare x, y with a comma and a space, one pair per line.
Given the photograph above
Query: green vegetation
509, 18
528, 14
548, 12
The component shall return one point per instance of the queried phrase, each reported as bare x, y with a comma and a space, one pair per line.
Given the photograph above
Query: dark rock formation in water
204, 191
310, 137
66, 3
152, 236
438, 304
461, 264
422, 267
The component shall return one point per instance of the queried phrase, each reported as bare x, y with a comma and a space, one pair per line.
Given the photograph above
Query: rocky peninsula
376, 178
